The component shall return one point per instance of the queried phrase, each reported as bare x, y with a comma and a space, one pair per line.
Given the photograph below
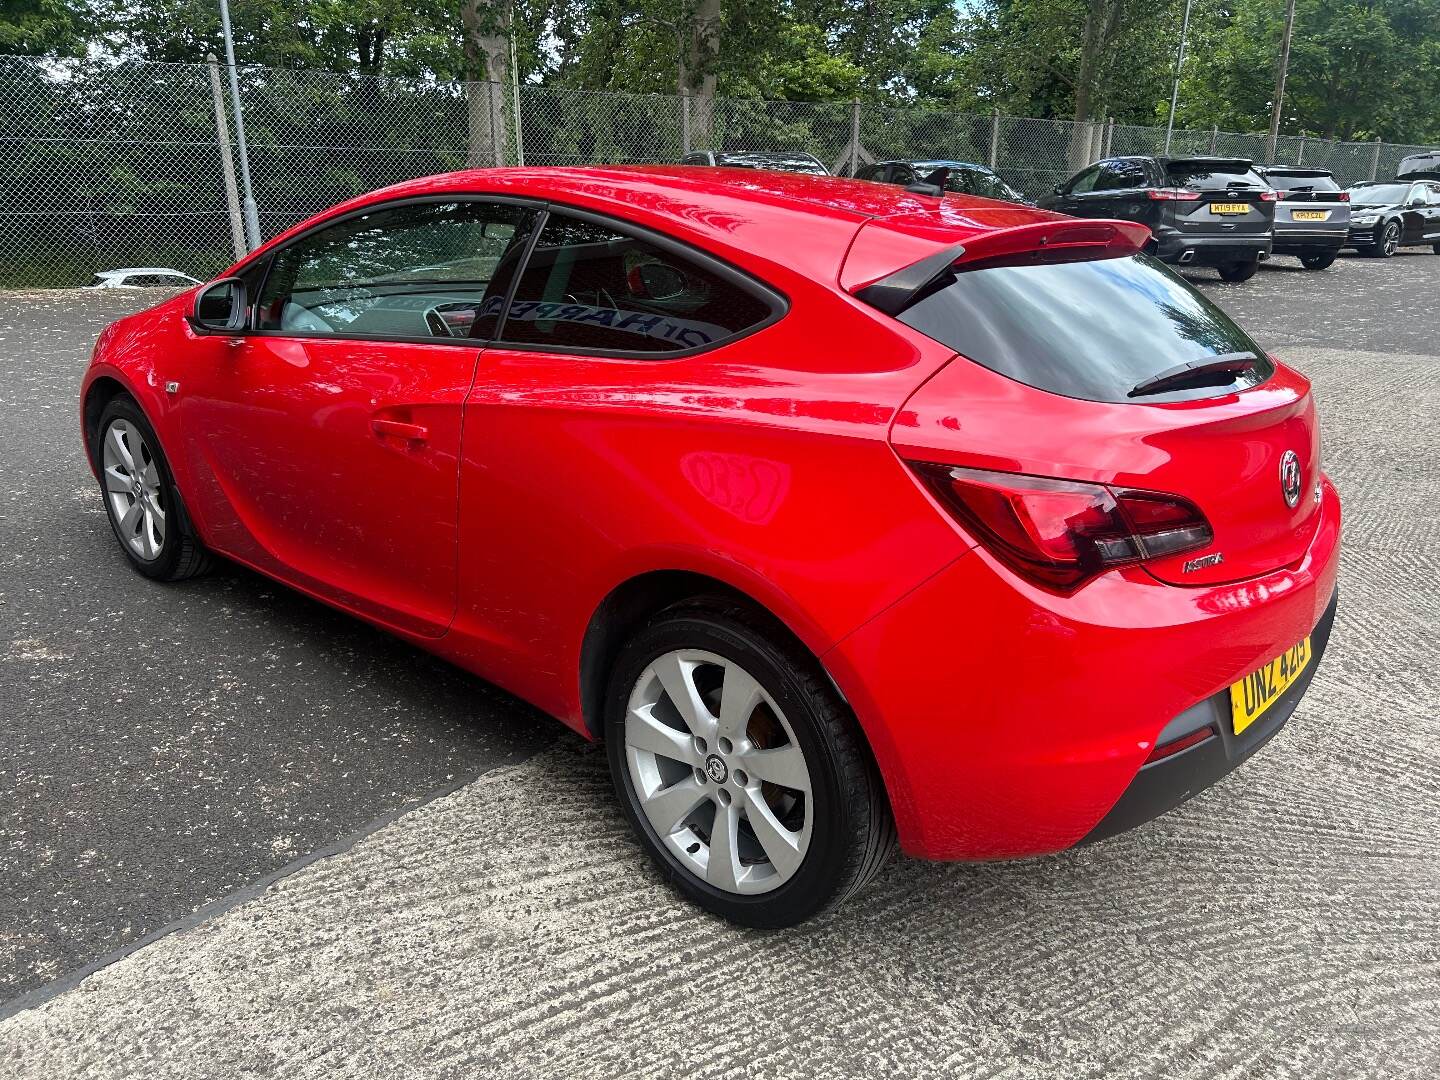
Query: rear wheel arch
633, 603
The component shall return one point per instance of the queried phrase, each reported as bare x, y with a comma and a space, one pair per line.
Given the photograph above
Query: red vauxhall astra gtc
847, 516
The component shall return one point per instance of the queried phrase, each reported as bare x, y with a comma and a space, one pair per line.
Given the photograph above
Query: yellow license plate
1252, 695
1229, 208
1309, 215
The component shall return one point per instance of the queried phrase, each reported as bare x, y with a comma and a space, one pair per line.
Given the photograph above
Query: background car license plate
1229, 208
1310, 215
1252, 695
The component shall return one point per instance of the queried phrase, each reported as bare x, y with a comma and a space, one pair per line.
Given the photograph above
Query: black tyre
1435, 248
140, 496
1317, 262
743, 773
1239, 271
1387, 242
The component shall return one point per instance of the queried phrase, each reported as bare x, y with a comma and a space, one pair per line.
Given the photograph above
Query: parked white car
142, 277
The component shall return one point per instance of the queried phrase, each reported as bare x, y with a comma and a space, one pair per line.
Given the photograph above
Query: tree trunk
1101, 18
486, 26
697, 71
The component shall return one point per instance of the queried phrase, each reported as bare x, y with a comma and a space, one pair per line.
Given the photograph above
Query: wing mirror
1058, 189
220, 307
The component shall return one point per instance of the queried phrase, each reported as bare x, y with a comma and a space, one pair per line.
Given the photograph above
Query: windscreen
1380, 194
1094, 330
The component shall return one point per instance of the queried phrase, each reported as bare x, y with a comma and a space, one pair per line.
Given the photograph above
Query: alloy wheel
718, 772
1391, 239
133, 489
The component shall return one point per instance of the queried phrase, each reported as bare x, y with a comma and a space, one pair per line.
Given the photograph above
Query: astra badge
1203, 562
1290, 478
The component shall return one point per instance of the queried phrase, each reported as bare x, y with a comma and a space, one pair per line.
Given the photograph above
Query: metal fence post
1375, 161
994, 138
252, 215
854, 136
227, 163
685, 122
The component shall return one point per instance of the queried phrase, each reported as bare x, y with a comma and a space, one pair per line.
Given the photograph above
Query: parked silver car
1312, 214
142, 277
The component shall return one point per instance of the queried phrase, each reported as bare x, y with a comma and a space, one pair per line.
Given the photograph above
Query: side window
589, 287
433, 269
694, 159
1084, 181
868, 172
903, 174
1120, 175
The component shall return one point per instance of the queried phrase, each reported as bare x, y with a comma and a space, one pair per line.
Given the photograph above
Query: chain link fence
104, 165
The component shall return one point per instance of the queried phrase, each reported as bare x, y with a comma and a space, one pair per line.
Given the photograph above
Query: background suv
1201, 211
961, 177
1312, 214
1386, 216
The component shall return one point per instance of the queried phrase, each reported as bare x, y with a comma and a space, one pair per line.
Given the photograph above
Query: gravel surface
1283, 924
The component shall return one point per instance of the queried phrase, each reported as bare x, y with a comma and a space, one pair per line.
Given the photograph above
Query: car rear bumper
1186, 249
1306, 241
1162, 785
1008, 721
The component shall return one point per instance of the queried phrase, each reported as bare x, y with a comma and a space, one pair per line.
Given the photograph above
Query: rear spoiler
1036, 242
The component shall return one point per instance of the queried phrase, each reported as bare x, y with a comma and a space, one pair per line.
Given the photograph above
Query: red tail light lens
1269, 196
1168, 194
1343, 196
1060, 533
1170, 749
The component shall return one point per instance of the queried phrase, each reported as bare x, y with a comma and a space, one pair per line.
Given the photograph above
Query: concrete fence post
685, 122
1375, 161
1214, 137
854, 136
1300, 152
227, 161
1109, 136
994, 138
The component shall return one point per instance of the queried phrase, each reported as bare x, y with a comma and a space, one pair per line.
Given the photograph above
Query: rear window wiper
1196, 372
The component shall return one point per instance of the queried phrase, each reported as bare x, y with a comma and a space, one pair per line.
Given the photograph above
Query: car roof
749, 214
124, 270
935, 163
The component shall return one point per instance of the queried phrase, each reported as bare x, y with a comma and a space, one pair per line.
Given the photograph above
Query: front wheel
1239, 271
1388, 242
741, 770
140, 496
1317, 262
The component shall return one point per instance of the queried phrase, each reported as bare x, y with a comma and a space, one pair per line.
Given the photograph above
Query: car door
1430, 225
326, 438
1071, 197
1414, 215
1122, 191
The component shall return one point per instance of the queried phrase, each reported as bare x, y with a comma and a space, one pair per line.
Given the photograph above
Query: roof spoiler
1063, 240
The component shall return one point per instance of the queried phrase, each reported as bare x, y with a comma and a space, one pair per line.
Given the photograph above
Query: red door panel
333, 463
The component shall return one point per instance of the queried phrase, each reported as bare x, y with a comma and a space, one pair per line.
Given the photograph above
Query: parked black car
1203, 211
1312, 213
962, 177
775, 161
1391, 214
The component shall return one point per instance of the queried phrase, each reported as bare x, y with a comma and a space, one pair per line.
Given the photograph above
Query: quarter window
419, 270
586, 286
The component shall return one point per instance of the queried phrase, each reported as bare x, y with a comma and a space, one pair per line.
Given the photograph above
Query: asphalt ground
253, 778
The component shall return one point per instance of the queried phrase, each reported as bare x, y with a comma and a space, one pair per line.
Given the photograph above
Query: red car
844, 514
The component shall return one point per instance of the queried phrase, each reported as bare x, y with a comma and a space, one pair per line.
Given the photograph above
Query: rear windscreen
1282, 182
1212, 175
1093, 330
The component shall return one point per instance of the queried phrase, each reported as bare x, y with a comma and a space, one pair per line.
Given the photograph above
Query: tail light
1343, 196
1173, 194
1059, 533
1269, 196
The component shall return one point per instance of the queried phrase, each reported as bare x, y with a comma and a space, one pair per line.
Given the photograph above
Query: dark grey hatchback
1201, 211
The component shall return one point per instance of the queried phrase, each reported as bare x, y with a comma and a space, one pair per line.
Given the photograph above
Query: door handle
399, 429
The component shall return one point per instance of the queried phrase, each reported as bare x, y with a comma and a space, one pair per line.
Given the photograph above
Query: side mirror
1058, 189
220, 307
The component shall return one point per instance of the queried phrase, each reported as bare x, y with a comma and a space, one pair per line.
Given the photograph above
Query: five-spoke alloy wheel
741, 769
